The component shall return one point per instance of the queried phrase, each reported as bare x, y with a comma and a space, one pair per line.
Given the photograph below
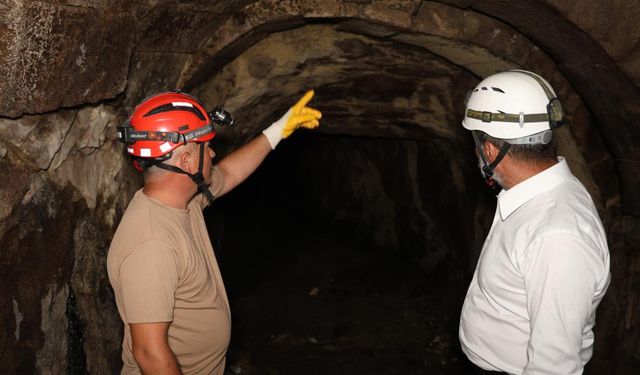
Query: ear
186, 160
490, 151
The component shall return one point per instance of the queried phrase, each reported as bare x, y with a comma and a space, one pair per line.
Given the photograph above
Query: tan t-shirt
162, 269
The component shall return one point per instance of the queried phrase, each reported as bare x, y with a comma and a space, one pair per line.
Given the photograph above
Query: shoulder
571, 210
132, 261
568, 222
142, 226
567, 208
135, 227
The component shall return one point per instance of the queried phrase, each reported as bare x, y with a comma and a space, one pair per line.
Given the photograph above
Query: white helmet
517, 106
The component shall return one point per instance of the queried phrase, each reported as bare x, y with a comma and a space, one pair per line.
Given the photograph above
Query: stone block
369, 28
596, 17
170, 27
53, 128
56, 55
152, 72
15, 185
393, 12
439, 19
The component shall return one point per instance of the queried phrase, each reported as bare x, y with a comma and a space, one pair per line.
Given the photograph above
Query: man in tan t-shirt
161, 264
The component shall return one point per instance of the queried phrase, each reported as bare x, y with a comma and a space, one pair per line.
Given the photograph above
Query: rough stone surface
52, 128
497, 47
619, 316
440, 20
390, 77
378, 97
52, 356
36, 257
151, 73
69, 185
621, 38
95, 298
90, 143
173, 26
14, 187
61, 55
420, 97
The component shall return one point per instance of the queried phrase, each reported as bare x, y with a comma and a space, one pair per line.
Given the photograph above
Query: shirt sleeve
560, 275
216, 184
148, 278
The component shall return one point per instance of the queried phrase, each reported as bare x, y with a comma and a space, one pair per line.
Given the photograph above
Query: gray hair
530, 153
153, 171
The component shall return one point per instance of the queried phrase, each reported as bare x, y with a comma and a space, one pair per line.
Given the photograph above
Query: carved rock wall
391, 73
59, 208
621, 39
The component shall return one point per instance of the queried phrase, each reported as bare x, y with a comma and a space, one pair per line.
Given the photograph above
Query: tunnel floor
322, 305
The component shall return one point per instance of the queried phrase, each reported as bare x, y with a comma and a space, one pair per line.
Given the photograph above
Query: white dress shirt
542, 272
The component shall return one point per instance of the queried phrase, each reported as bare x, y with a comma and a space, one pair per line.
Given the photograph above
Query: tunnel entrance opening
338, 258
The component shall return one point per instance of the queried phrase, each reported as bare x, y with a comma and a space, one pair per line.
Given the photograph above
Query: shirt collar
510, 200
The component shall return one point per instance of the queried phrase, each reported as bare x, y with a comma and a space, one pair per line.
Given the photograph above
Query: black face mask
487, 169
490, 181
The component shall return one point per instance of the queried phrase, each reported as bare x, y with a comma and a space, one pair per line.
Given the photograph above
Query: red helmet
164, 122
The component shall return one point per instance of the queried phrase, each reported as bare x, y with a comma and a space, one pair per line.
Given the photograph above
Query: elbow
142, 355
149, 358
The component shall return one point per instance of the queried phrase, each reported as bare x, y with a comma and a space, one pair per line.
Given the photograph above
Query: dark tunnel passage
332, 268
350, 250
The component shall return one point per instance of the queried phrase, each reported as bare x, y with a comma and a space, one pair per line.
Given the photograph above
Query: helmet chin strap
487, 169
197, 178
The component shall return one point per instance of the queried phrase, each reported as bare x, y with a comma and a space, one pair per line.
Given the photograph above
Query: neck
171, 193
514, 172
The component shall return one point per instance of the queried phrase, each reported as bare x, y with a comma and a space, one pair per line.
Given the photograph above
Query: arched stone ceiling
476, 42
470, 40
464, 41
87, 49
367, 87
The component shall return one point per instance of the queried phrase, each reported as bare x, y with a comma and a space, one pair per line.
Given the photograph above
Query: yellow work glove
297, 116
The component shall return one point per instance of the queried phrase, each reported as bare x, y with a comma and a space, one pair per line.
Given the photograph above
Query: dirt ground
319, 305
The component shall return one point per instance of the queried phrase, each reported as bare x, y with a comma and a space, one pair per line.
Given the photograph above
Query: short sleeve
216, 184
148, 279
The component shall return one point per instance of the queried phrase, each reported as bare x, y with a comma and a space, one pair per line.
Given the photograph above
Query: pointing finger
303, 102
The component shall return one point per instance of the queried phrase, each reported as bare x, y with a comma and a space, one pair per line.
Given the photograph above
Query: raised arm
238, 165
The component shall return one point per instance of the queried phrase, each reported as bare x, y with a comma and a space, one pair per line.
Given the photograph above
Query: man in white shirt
544, 267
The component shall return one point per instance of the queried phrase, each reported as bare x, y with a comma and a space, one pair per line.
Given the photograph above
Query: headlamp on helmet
165, 121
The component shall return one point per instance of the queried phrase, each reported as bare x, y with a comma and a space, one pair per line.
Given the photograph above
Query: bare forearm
238, 165
157, 361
